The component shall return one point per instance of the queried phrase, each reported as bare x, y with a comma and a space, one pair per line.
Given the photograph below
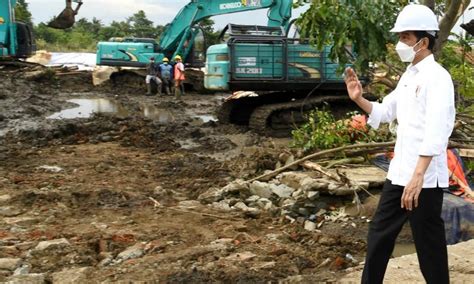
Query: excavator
183, 35
282, 77
17, 39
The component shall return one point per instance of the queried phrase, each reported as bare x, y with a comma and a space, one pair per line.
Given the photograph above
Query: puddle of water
159, 114
403, 249
87, 107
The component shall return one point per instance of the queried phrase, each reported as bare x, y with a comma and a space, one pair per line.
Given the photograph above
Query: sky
160, 12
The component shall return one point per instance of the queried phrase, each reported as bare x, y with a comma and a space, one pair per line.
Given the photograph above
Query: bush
323, 131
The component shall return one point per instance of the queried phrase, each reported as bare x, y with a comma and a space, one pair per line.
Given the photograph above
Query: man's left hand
411, 192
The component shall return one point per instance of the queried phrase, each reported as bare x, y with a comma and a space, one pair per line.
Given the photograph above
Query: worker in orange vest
178, 77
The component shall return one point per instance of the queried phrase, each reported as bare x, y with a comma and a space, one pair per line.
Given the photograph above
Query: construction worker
152, 75
423, 104
165, 71
178, 77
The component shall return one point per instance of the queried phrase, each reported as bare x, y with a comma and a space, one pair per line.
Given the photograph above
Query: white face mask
407, 53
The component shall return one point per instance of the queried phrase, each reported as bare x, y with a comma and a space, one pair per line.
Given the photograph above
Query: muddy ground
112, 197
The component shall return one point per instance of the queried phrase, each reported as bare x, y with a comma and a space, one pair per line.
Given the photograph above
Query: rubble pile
293, 194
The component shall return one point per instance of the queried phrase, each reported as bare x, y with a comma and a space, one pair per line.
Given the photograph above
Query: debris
51, 169
9, 263
241, 256
134, 251
53, 244
261, 189
323, 153
309, 226
70, 276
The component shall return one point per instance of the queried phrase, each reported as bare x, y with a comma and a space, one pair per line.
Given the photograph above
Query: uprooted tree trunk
453, 11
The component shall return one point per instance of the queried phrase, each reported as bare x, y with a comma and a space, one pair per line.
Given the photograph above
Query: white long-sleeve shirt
423, 104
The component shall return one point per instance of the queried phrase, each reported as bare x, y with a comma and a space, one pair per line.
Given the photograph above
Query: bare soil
110, 183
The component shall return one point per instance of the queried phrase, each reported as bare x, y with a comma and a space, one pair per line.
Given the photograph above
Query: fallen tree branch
339, 149
322, 153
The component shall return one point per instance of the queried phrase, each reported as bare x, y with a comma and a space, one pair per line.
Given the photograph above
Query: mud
120, 187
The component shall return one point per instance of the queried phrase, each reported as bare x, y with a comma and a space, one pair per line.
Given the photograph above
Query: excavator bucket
66, 18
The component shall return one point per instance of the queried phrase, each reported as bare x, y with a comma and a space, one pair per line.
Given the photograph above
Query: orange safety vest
178, 74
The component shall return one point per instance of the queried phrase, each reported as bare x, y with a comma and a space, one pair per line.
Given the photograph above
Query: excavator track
278, 119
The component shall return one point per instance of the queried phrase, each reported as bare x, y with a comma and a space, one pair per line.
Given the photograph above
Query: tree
212, 36
365, 26
141, 26
22, 13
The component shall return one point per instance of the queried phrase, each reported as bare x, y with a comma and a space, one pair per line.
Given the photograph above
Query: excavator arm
181, 28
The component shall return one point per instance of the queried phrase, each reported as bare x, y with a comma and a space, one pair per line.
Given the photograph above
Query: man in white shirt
423, 104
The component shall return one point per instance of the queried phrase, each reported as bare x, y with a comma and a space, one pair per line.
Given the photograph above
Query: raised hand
354, 87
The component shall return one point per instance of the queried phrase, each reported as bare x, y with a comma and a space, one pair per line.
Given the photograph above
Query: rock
299, 180
264, 265
252, 212
22, 270
9, 251
9, 211
312, 195
237, 186
327, 241
34, 278
211, 195
106, 257
241, 206
5, 198
134, 251
222, 206
372, 175
241, 256
21, 221
282, 191
309, 226
261, 189
264, 203
9, 263
252, 199
26, 245
53, 244
288, 203
70, 276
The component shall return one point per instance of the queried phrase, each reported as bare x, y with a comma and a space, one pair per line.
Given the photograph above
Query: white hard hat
416, 17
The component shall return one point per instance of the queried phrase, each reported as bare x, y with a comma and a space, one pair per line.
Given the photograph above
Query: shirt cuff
375, 116
432, 149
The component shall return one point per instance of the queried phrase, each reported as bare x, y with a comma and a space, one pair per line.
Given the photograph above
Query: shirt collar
423, 64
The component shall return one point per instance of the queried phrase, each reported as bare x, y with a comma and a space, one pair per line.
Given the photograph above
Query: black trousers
427, 229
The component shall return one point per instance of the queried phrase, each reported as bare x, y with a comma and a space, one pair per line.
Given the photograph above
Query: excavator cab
66, 18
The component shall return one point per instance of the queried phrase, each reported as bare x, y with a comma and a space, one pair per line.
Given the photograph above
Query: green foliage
454, 58
212, 36
85, 34
364, 25
21, 12
142, 26
323, 131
